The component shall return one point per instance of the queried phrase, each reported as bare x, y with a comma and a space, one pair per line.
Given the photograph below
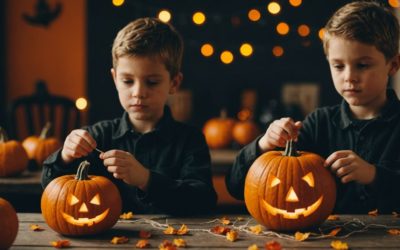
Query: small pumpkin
289, 190
218, 131
245, 132
82, 204
8, 224
39, 148
13, 158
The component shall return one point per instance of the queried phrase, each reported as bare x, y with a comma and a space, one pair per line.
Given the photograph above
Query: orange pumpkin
39, 148
289, 190
245, 132
218, 131
8, 224
81, 205
13, 158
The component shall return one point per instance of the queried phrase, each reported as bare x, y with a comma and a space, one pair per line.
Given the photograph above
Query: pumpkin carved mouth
297, 212
85, 221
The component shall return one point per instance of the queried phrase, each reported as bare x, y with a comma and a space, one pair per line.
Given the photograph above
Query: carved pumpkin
8, 224
81, 204
13, 158
245, 132
289, 190
39, 148
218, 131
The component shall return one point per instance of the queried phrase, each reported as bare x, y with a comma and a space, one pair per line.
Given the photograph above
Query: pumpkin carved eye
309, 178
73, 200
95, 200
273, 181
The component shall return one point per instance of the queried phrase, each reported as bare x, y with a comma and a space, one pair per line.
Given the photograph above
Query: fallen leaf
273, 245
183, 230
395, 214
144, 234
220, 230
36, 228
232, 235
225, 221
373, 212
166, 245
60, 243
335, 231
301, 236
333, 217
119, 240
142, 244
253, 247
257, 229
338, 245
179, 242
394, 231
239, 218
170, 230
126, 216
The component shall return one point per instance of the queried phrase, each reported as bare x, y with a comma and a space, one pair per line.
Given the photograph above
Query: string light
165, 16
118, 3
246, 49
282, 28
295, 3
226, 57
207, 50
81, 103
394, 3
303, 30
274, 8
199, 18
254, 15
321, 33
277, 51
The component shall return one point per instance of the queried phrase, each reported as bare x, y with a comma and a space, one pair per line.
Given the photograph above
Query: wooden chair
27, 115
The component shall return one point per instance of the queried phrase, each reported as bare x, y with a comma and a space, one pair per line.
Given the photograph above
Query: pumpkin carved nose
292, 196
83, 208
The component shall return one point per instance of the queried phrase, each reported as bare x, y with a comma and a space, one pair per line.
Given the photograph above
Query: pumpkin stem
45, 131
83, 170
290, 149
3, 135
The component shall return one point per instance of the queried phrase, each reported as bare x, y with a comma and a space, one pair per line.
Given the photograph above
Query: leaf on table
36, 228
273, 245
239, 218
119, 240
395, 214
61, 243
142, 244
225, 221
338, 245
373, 212
394, 231
301, 236
183, 230
126, 216
333, 217
220, 230
232, 235
144, 234
257, 229
335, 231
166, 245
253, 247
170, 230
179, 242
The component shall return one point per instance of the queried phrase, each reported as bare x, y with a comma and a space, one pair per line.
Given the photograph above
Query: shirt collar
388, 112
163, 127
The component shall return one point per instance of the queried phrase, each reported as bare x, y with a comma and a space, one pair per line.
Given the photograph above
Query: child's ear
394, 65
175, 83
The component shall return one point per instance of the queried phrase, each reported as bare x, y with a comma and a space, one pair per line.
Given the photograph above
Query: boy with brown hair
360, 138
158, 164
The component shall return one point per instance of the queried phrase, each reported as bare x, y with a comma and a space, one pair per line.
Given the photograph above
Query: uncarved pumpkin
13, 158
40, 147
289, 190
245, 132
218, 131
8, 224
82, 204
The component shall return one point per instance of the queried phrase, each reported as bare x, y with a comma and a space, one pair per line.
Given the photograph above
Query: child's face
143, 85
360, 72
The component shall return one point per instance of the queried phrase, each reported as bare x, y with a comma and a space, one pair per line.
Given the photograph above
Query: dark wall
2, 64
216, 85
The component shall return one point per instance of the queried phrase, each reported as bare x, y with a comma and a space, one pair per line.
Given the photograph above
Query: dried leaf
335, 231
220, 230
232, 235
239, 218
301, 236
395, 214
373, 212
338, 245
119, 240
144, 234
253, 247
257, 229
142, 244
60, 243
179, 242
273, 245
166, 245
170, 230
126, 216
225, 221
36, 228
183, 230
333, 217
394, 231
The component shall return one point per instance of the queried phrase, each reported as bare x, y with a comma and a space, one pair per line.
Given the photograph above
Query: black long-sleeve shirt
330, 129
175, 153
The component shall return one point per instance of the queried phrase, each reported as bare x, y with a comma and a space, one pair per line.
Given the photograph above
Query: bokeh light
278, 51
226, 57
207, 50
81, 103
246, 49
254, 15
274, 8
282, 28
199, 18
164, 16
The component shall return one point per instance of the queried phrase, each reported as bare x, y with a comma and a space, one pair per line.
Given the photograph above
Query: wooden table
373, 233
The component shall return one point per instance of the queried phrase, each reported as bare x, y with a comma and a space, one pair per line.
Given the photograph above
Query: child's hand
78, 143
348, 166
124, 165
278, 133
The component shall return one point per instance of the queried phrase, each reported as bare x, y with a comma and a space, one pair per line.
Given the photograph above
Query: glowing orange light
295, 3
164, 16
246, 49
207, 50
81, 103
278, 51
199, 18
274, 8
394, 3
226, 57
118, 3
282, 28
321, 33
303, 30
254, 15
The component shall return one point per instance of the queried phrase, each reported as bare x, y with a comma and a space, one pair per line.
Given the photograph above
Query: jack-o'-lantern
245, 132
13, 157
39, 148
289, 190
81, 204
8, 224
218, 131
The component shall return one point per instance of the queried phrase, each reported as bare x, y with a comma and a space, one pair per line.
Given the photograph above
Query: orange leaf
394, 231
232, 235
333, 217
335, 231
257, 229
225, 221
60, 243
338, 245
126, 216
373, 212
301, 236
142, 244
36, 228
253, 247
273, 245
119, 240
180, 242
144, 234
183, 230
166, 245
170, 230
220, 230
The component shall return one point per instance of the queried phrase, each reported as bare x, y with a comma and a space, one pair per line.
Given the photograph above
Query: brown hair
150, 37
366, 22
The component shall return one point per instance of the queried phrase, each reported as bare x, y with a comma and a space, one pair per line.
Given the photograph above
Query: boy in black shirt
159, 165
360, 138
